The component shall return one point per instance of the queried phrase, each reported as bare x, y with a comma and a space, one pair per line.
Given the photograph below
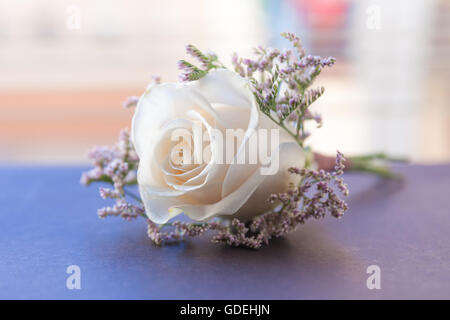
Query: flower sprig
281, 81
116, 166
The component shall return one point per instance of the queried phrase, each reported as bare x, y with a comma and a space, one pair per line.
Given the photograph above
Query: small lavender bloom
108, 211
196, 53
318, 118
84, 180
328, 62
236, 61
184, 66
211, 55
184, 77
130, 102
108, 193
272, 53
293, 117
285, 55
287, 71
262, 65
339, 166
294, 40
156, 79
190, 50
91, 176
294, 100
283, 108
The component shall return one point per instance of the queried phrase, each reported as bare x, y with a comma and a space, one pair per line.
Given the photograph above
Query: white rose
220, 100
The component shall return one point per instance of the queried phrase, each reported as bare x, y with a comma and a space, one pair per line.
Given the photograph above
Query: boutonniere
225, 150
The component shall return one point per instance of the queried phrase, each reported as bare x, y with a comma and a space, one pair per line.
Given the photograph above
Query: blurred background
67, 66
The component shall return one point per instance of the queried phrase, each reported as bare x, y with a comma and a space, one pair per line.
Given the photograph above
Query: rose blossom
219, 101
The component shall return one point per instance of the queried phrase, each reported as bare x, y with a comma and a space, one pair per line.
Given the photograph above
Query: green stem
379, 156
282, 125
299, 123
364, 164
309, 157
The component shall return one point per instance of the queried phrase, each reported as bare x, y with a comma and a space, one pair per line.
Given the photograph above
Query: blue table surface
48, 221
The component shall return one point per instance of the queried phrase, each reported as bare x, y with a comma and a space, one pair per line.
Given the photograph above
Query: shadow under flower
293, 266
